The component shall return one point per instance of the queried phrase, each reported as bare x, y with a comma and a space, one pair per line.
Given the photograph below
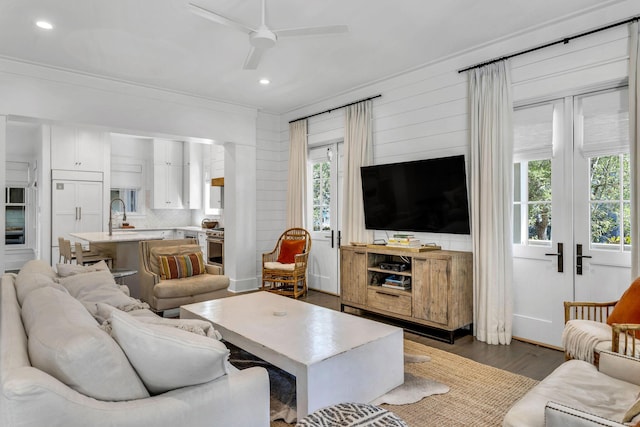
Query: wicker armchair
288, 279
622, 335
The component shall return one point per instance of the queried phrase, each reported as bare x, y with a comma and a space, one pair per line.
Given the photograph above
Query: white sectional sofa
59, 366
579, 394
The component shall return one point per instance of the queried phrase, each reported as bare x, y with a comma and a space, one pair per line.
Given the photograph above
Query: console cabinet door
353, 276
431, 288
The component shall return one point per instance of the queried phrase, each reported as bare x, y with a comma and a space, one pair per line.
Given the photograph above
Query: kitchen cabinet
167, 174
440, 291
78, 149
192, 176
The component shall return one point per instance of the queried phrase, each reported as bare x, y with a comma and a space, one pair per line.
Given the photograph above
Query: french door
324, 205
571, 208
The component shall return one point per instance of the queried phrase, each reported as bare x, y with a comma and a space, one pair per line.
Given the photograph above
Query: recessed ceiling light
265, 81
44, 25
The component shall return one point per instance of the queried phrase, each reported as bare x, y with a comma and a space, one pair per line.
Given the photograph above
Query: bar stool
82, 258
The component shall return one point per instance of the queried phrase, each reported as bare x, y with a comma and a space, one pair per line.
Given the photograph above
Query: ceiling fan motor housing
263, 38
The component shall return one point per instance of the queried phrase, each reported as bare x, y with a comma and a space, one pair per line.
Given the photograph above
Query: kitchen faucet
124, 213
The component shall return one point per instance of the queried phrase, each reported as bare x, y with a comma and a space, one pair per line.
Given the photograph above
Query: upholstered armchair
284, 269
173, 273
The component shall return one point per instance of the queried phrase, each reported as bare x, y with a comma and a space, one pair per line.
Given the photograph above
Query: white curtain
297, 182
634, 142
358, 137
491, 111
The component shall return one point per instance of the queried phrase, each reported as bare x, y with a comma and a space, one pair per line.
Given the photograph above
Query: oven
215, 247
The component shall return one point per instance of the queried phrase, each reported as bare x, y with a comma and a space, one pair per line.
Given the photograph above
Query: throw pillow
65, 342
289, 249
99, 287
180, 266
627, 309
27, 282
66, 270
167, 358
156, 251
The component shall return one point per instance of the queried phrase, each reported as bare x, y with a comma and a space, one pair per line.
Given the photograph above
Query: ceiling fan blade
253, 58
216, 17
312, 31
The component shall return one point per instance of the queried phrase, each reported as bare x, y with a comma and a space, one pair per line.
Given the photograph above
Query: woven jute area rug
479, 395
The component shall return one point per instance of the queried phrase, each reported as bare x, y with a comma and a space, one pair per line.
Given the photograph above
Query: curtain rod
336, 108
565, 40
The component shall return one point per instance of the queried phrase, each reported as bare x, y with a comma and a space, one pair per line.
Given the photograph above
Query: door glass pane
610, 207
321, 197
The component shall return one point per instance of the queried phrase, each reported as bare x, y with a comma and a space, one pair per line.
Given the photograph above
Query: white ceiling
159, 43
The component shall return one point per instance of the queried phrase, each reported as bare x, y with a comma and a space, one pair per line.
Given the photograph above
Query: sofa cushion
157, 251
38, 266
99, 286
576, 384
27, 282
66, 342
66, 270
627, 309
167, 358
289, 249
179, 266
194, 285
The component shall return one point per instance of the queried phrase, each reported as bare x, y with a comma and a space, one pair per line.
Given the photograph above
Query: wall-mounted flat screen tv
424, 196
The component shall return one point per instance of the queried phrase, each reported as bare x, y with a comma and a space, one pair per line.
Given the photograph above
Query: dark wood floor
522, 358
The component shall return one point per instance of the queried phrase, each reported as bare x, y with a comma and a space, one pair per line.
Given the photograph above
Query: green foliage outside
321, 175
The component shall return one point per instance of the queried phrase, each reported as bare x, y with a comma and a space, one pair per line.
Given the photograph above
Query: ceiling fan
263, 37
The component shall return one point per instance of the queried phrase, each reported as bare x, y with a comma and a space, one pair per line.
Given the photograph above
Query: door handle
560, 256
339, 238
579, 257
330, 237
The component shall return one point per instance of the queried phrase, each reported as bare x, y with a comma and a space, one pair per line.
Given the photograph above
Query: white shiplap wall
423, 113
271, 184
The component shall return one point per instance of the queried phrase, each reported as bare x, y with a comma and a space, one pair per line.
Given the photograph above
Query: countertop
196, 228
118, 236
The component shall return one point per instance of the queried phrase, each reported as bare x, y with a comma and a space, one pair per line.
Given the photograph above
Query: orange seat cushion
627, 309
289, 249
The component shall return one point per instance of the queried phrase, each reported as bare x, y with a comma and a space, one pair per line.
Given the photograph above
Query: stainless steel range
215, 247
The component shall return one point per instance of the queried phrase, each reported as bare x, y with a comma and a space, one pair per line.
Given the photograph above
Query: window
130, 197
15, 215
127, 184
533, 142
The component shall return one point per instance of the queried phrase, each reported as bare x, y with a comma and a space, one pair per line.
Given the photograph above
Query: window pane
316, 218
539, 180
605, 223
517, 197
626, 223
626, 178
316, 171
14, 225
539, 221
16, 195
517, 226
605, 177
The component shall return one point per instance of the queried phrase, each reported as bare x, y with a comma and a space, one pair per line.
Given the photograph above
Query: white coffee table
335, 357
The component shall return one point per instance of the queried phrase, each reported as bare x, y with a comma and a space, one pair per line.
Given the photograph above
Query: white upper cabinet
167, 174
78, 149
193, 177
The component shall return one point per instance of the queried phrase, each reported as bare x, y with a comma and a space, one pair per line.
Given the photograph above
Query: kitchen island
122, 246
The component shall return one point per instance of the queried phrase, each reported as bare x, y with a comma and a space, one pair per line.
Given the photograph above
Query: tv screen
425, 196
